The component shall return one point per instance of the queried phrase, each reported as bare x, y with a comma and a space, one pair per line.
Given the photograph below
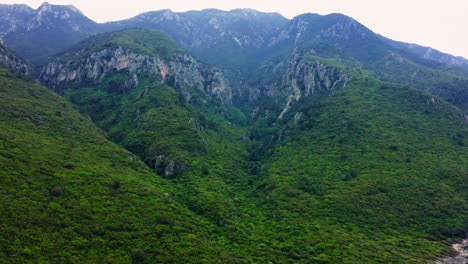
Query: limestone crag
462, 254
180, 71
305, 77
10, 61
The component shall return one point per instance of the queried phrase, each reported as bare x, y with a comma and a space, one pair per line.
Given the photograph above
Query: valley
226, 137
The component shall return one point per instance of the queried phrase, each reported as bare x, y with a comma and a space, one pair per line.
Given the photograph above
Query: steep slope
37, 34
242, 40
229, 39
10, 61
335, 166
69, 195
429, 53
336, 154
163, 105
371, 172
135, 52
181, 129
141, 87
345, 40
13, 17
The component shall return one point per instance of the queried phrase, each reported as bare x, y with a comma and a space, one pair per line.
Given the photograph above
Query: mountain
68, 194
37, 34
241, 41
154, 99
138, 51
359, 170
121, 78
432, 54
311, 140
343, 39
206, 33
232, 39
331, 136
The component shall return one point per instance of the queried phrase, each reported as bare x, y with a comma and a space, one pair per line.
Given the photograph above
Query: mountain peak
247, 11
45, 4
254, 13
46, 7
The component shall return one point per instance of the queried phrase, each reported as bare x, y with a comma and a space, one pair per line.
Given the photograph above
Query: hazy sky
441, 24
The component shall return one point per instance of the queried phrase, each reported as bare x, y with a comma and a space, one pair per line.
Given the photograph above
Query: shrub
56, 192
116, 185
138, 256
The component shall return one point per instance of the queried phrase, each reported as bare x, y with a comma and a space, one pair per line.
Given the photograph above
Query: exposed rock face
462, 257
305, 77
10, 61
181, 71
166, 167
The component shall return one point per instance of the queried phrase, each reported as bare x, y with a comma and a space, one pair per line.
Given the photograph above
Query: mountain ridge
100, 27
241, 42
60, 174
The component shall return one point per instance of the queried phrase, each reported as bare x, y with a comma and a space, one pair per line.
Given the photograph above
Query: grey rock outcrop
167, 167
10, 61
181, 71
305, 77
462, 254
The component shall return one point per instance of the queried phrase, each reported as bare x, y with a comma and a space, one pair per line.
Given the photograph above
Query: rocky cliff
10, 61
181, 71
305, 77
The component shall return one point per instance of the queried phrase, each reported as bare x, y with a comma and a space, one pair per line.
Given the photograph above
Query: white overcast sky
441, 24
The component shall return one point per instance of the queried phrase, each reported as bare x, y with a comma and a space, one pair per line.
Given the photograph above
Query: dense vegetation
373, 172
69, 195
138, 40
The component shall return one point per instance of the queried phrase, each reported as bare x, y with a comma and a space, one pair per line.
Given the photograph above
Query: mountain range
243, 40
226, 136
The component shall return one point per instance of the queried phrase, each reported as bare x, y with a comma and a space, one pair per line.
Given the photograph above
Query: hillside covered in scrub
134, 144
